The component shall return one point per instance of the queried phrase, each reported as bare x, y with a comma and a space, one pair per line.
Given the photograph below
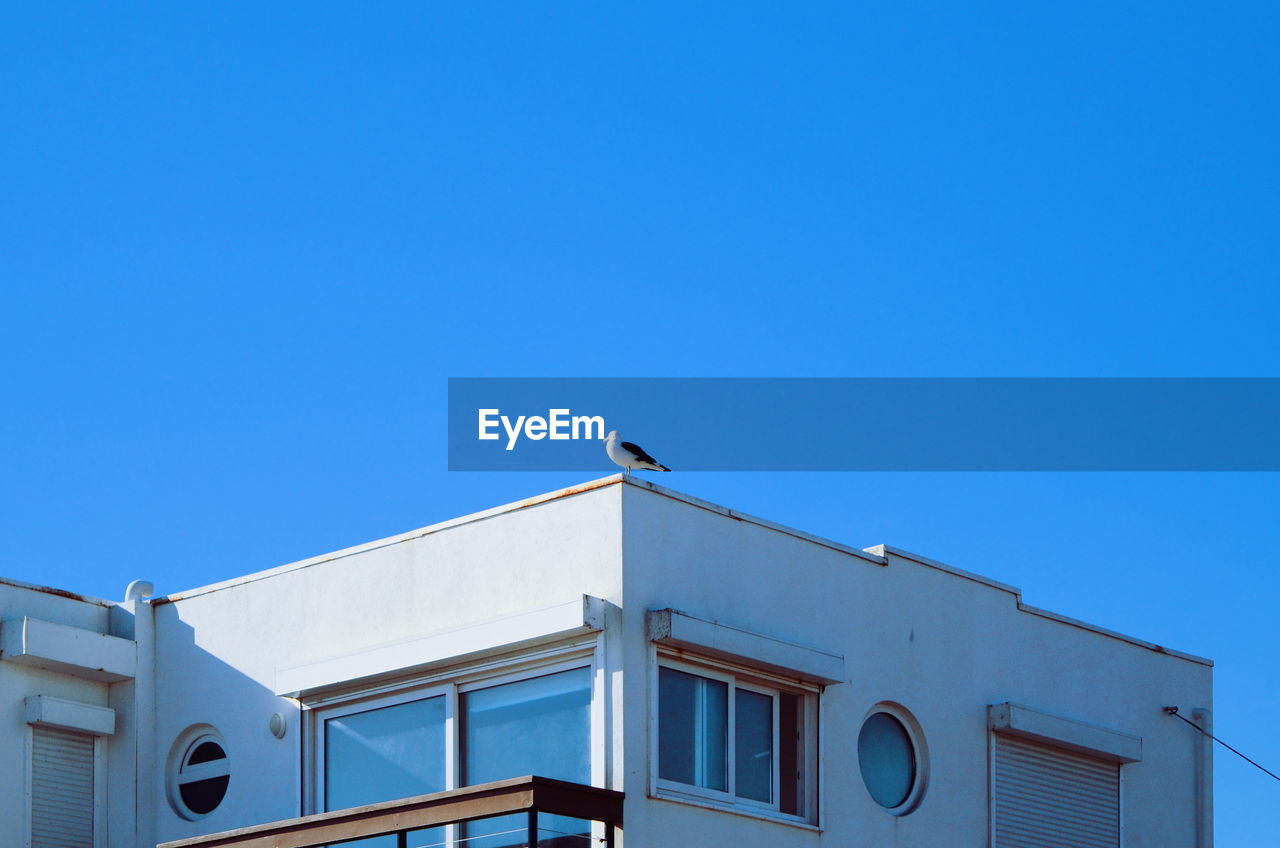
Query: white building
732, 681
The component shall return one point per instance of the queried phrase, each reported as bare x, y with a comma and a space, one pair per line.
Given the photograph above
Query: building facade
732, 681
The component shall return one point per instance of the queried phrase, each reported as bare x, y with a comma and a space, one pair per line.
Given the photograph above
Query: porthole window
891, 758
199, 773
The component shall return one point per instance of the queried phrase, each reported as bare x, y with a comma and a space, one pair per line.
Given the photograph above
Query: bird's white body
627, 459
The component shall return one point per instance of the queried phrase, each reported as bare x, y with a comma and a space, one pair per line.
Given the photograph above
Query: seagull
630, 456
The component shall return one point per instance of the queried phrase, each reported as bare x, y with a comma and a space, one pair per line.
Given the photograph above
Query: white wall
218, 652
941, 645
18, 682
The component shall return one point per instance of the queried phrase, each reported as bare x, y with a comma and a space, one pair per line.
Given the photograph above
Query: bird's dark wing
638, 451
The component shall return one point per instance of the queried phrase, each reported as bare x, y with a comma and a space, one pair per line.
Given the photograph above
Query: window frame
738, 676
191, 739
357, 705
919, 756
775, 753
452, 682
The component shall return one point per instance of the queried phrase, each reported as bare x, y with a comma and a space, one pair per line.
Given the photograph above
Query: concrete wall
218, 652
941, 645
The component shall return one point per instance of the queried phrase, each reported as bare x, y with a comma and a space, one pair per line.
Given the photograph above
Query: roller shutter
61, 789
1046, 797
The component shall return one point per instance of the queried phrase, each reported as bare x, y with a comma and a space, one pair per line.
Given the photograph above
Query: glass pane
693, 720
499, 832
206, 752
887, 760
562, 832
538, 726
384, 754
753, 745
512, 832
203, 796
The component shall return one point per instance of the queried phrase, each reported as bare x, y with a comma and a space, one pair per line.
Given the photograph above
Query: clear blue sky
242, 248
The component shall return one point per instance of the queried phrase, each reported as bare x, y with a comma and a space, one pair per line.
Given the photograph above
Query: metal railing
533, 799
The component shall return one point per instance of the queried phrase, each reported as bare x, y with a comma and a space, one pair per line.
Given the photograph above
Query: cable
1173, 711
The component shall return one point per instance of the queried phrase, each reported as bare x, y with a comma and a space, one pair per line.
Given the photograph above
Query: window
734, 738
199, 772
384, 753
540, 725
889, 757
1044, 795
516, 719
62, 788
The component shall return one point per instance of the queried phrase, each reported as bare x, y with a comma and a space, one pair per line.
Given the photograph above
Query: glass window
202, 796
202, 774
753, 745
693, 718
762, 735
386, 753
539, 726
887, 758
404, 745
383, 754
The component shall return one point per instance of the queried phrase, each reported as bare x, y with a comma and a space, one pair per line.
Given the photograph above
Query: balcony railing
465, 818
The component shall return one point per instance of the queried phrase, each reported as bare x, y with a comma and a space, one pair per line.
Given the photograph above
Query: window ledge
45, 711
679, 630
67, 650
1072, 734
579, 617
746, 812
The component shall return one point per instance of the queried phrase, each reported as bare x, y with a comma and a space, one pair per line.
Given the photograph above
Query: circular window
199, 773
890, 759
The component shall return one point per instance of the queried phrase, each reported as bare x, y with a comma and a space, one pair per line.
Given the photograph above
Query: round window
890, 760
199, 773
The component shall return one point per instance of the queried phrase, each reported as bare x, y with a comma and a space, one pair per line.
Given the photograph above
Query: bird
630, 456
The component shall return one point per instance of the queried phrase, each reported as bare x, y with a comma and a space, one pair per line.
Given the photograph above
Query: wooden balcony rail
527, 795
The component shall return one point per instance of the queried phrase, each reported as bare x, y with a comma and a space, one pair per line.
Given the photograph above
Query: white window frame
919, 756
188, 742
452, 684
359, 705
752, 680
99, 787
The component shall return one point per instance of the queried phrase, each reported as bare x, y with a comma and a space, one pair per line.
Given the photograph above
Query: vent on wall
199, 772
1042, 795
61, 788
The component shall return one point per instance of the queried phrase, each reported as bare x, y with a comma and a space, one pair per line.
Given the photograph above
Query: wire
1173, 711
524, 830
504, 833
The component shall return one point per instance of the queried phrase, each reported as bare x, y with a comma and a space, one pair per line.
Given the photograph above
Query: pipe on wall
1203, 717
144, 634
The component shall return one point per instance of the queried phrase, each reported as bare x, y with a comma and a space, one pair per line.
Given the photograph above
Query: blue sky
243, 247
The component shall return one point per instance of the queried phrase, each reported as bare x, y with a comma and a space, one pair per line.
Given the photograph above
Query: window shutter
61, 789
1046, 797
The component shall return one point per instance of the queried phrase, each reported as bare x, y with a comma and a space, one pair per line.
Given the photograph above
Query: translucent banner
868, 424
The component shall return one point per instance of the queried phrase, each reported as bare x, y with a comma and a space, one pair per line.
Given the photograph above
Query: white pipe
1203, 717
145, 790
139, 589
